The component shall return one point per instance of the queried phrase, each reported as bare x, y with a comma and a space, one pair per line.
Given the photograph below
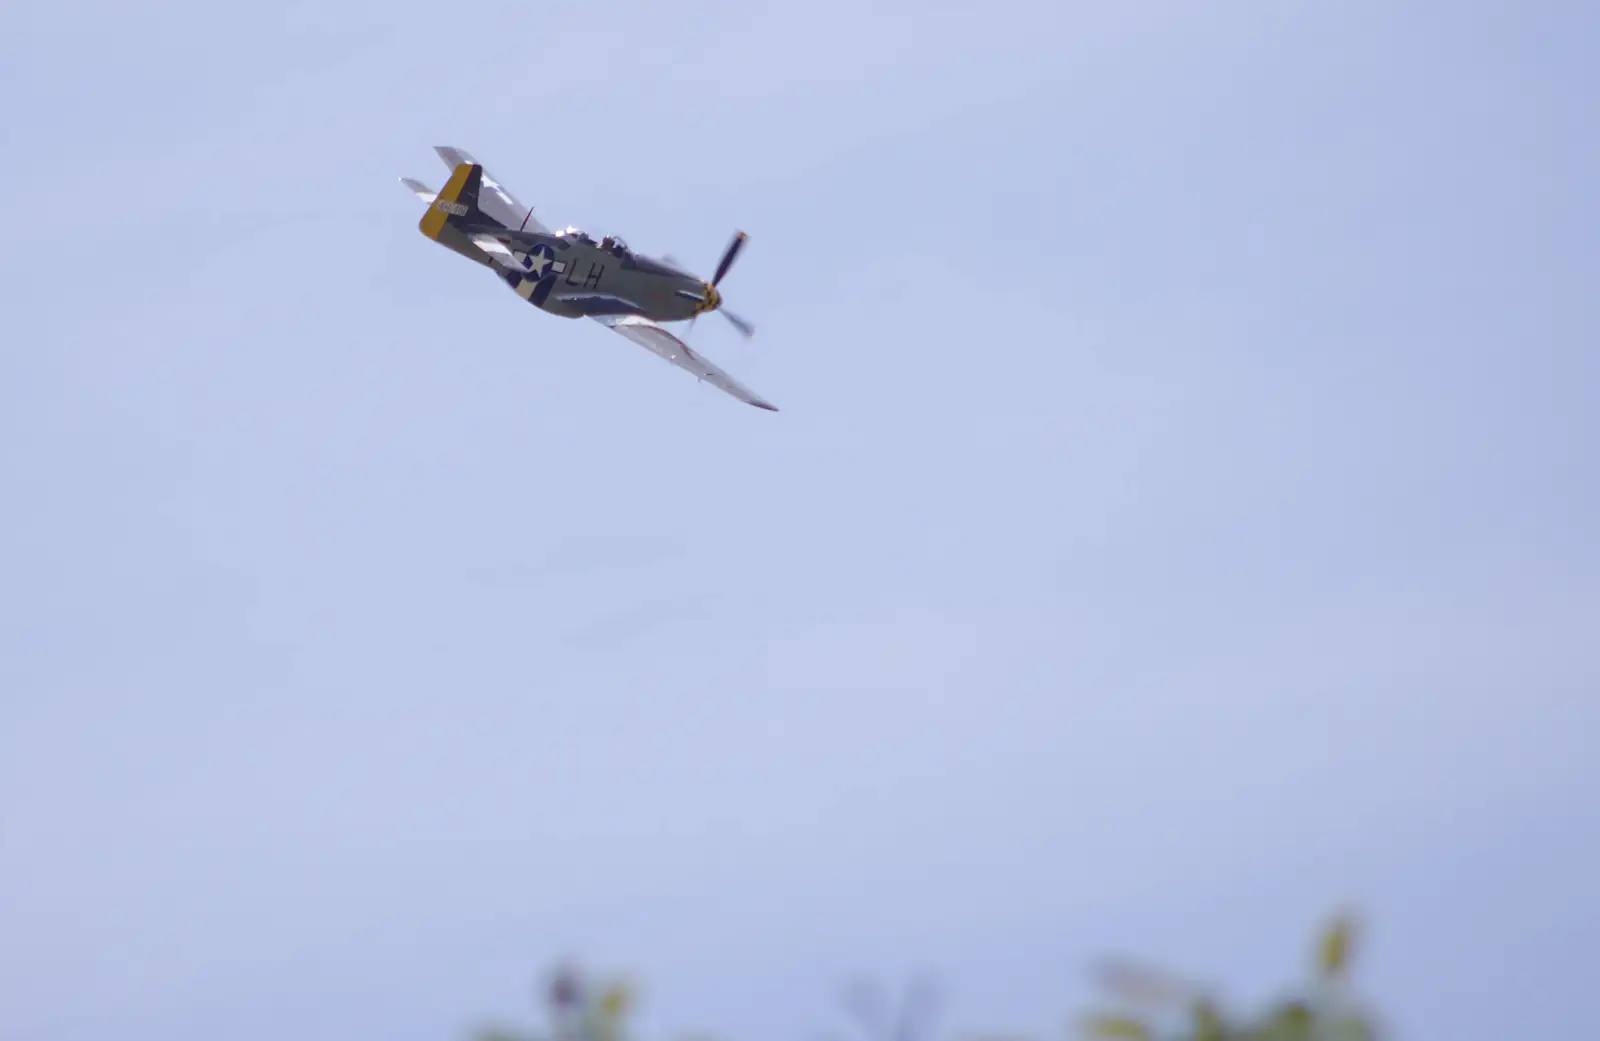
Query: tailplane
419, 189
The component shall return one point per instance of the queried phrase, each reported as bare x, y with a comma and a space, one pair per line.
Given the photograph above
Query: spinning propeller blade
738, 323
727, 257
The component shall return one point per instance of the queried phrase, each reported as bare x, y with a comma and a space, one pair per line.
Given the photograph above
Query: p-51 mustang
568, 274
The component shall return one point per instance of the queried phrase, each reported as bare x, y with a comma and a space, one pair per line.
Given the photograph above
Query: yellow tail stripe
434, 220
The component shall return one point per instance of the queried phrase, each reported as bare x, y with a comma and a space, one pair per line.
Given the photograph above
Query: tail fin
456, 201
455, 205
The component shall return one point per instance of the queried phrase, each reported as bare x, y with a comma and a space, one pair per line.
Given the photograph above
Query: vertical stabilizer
457, 204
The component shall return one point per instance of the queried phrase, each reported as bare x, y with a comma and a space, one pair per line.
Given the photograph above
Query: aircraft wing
494, 199
662, 343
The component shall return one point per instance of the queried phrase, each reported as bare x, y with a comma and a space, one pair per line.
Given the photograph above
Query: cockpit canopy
611, 243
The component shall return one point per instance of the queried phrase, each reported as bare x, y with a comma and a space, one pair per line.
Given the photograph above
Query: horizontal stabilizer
494, 247
511, 235
419, 189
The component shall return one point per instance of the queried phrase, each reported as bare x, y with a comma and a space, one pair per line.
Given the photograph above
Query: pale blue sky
1181, 517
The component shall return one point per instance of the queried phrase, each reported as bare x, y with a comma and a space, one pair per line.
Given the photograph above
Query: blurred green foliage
1150, 1006
1141, 1004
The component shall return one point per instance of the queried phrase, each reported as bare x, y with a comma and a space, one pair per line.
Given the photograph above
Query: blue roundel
539, 260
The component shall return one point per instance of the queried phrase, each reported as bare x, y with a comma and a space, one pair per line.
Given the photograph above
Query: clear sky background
1181, 517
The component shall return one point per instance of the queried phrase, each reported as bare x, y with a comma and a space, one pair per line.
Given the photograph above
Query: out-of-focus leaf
615, 1001
1116, 1028
1208, 1024
1291, 1021
1349, 1028
1334, 949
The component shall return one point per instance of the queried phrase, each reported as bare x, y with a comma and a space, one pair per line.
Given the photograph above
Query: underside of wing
664, 344
595, 305
493, 198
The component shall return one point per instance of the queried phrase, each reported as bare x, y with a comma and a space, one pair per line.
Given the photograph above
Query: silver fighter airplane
568, 274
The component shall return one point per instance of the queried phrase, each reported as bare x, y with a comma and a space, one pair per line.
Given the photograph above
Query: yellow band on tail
458, 198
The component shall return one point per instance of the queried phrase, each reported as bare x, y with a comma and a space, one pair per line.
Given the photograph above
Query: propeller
728, 257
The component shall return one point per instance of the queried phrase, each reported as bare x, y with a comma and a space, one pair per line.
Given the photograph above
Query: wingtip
763, 404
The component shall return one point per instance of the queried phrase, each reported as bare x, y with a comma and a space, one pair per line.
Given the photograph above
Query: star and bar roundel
542, 268
539, 260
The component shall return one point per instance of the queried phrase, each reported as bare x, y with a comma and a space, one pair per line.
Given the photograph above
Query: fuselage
572, 276
566, 273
